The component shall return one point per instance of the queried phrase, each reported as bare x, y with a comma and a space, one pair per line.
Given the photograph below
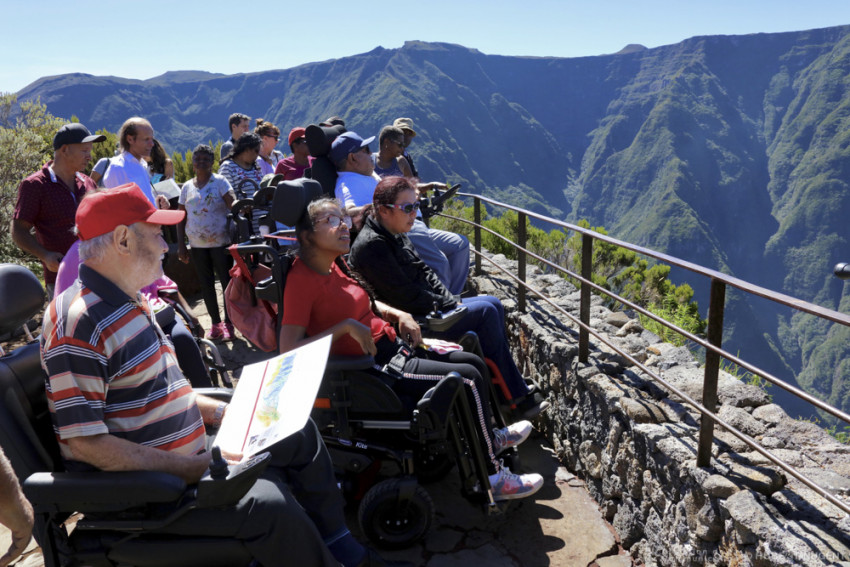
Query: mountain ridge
727, 151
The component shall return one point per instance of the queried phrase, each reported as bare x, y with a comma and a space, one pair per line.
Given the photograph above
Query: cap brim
166, 216
367, 141
94, 138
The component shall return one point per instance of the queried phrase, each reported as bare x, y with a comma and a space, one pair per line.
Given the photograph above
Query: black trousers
427, 368
288, 513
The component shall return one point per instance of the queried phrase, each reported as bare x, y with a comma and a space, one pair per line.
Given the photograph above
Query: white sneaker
511, 436
509, 486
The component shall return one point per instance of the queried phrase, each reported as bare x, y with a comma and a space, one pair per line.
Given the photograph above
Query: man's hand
52, 260
21, 529
15, 511
183, 253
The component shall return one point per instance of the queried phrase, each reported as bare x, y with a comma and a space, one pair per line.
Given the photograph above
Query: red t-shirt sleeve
298, 297
29, 199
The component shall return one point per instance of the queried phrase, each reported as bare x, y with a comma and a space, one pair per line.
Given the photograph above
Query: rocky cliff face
634, 444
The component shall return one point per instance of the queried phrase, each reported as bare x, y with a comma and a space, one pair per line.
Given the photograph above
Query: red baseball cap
100, 212
296, 133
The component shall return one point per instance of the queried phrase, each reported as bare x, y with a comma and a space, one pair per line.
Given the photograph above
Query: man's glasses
299, 141
406, 208
334, 220
276, 138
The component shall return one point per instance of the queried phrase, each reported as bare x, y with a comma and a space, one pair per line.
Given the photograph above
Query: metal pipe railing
714, 333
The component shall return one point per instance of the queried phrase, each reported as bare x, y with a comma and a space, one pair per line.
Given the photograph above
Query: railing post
714, 335
522, 237
584, 302
477, 233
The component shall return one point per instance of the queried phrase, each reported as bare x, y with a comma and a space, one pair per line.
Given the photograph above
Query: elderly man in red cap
119, 401
292, 167
48, 199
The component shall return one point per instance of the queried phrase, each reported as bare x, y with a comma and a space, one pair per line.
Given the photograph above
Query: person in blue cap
444, 252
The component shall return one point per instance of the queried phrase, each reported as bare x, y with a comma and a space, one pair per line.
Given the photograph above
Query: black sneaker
531, 406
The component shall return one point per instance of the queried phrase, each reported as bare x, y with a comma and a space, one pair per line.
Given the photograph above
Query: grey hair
96, 248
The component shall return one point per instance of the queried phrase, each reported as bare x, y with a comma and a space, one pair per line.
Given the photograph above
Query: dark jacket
399, 277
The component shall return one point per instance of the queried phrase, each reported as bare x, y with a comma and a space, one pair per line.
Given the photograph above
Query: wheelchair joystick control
218, 466
435, 312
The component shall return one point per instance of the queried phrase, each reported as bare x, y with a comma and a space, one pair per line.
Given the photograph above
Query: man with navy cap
444, 252
357, 179
48, 199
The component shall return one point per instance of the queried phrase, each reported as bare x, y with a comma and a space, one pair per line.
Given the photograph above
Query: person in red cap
293, 167
119, 402
48, 199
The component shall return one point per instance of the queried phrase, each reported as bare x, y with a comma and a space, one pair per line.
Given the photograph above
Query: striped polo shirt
111, 369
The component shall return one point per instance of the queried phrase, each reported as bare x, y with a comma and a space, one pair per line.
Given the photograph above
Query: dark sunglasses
406, 208
334, 221
299, 141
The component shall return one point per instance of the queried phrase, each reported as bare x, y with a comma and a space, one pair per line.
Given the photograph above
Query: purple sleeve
69, 268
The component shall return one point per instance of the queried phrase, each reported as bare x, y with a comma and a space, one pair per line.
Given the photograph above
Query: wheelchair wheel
431, 467
396, 513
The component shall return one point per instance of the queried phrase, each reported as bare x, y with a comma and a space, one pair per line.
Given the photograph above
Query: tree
105, 149
26, 143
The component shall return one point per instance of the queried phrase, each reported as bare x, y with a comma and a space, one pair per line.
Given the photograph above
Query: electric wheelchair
122, 513
366, 427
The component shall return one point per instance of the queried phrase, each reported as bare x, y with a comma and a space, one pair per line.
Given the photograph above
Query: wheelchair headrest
320, 138
291, 199
21, 296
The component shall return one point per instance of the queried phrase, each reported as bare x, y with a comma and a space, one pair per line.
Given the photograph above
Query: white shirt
124, 169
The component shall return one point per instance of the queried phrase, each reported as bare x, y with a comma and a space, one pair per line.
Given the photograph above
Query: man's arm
15, 511
25, 240
111, 453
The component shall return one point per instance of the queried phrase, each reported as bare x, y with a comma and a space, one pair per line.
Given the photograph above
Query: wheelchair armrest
222, 394
444, 321
100, 491
337, 363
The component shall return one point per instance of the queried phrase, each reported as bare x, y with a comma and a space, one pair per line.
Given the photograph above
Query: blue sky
140, 41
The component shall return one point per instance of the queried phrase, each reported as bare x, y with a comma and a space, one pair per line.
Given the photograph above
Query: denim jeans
486, 317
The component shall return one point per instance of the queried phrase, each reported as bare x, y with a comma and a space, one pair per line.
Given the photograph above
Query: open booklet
273, 399
168, 188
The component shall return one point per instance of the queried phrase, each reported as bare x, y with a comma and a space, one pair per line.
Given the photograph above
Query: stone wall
635, 445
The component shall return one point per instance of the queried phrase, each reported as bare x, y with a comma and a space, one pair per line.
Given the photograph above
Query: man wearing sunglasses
444, 252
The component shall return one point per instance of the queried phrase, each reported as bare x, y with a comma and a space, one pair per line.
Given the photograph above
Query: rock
771, 414
642, 411
741, 420
718, 486
764, 480
614, 561
617, 319
748, 516
632, 327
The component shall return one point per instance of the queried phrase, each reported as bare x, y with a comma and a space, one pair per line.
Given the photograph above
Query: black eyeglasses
299, 141
334, 220
406, 208
276, 138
